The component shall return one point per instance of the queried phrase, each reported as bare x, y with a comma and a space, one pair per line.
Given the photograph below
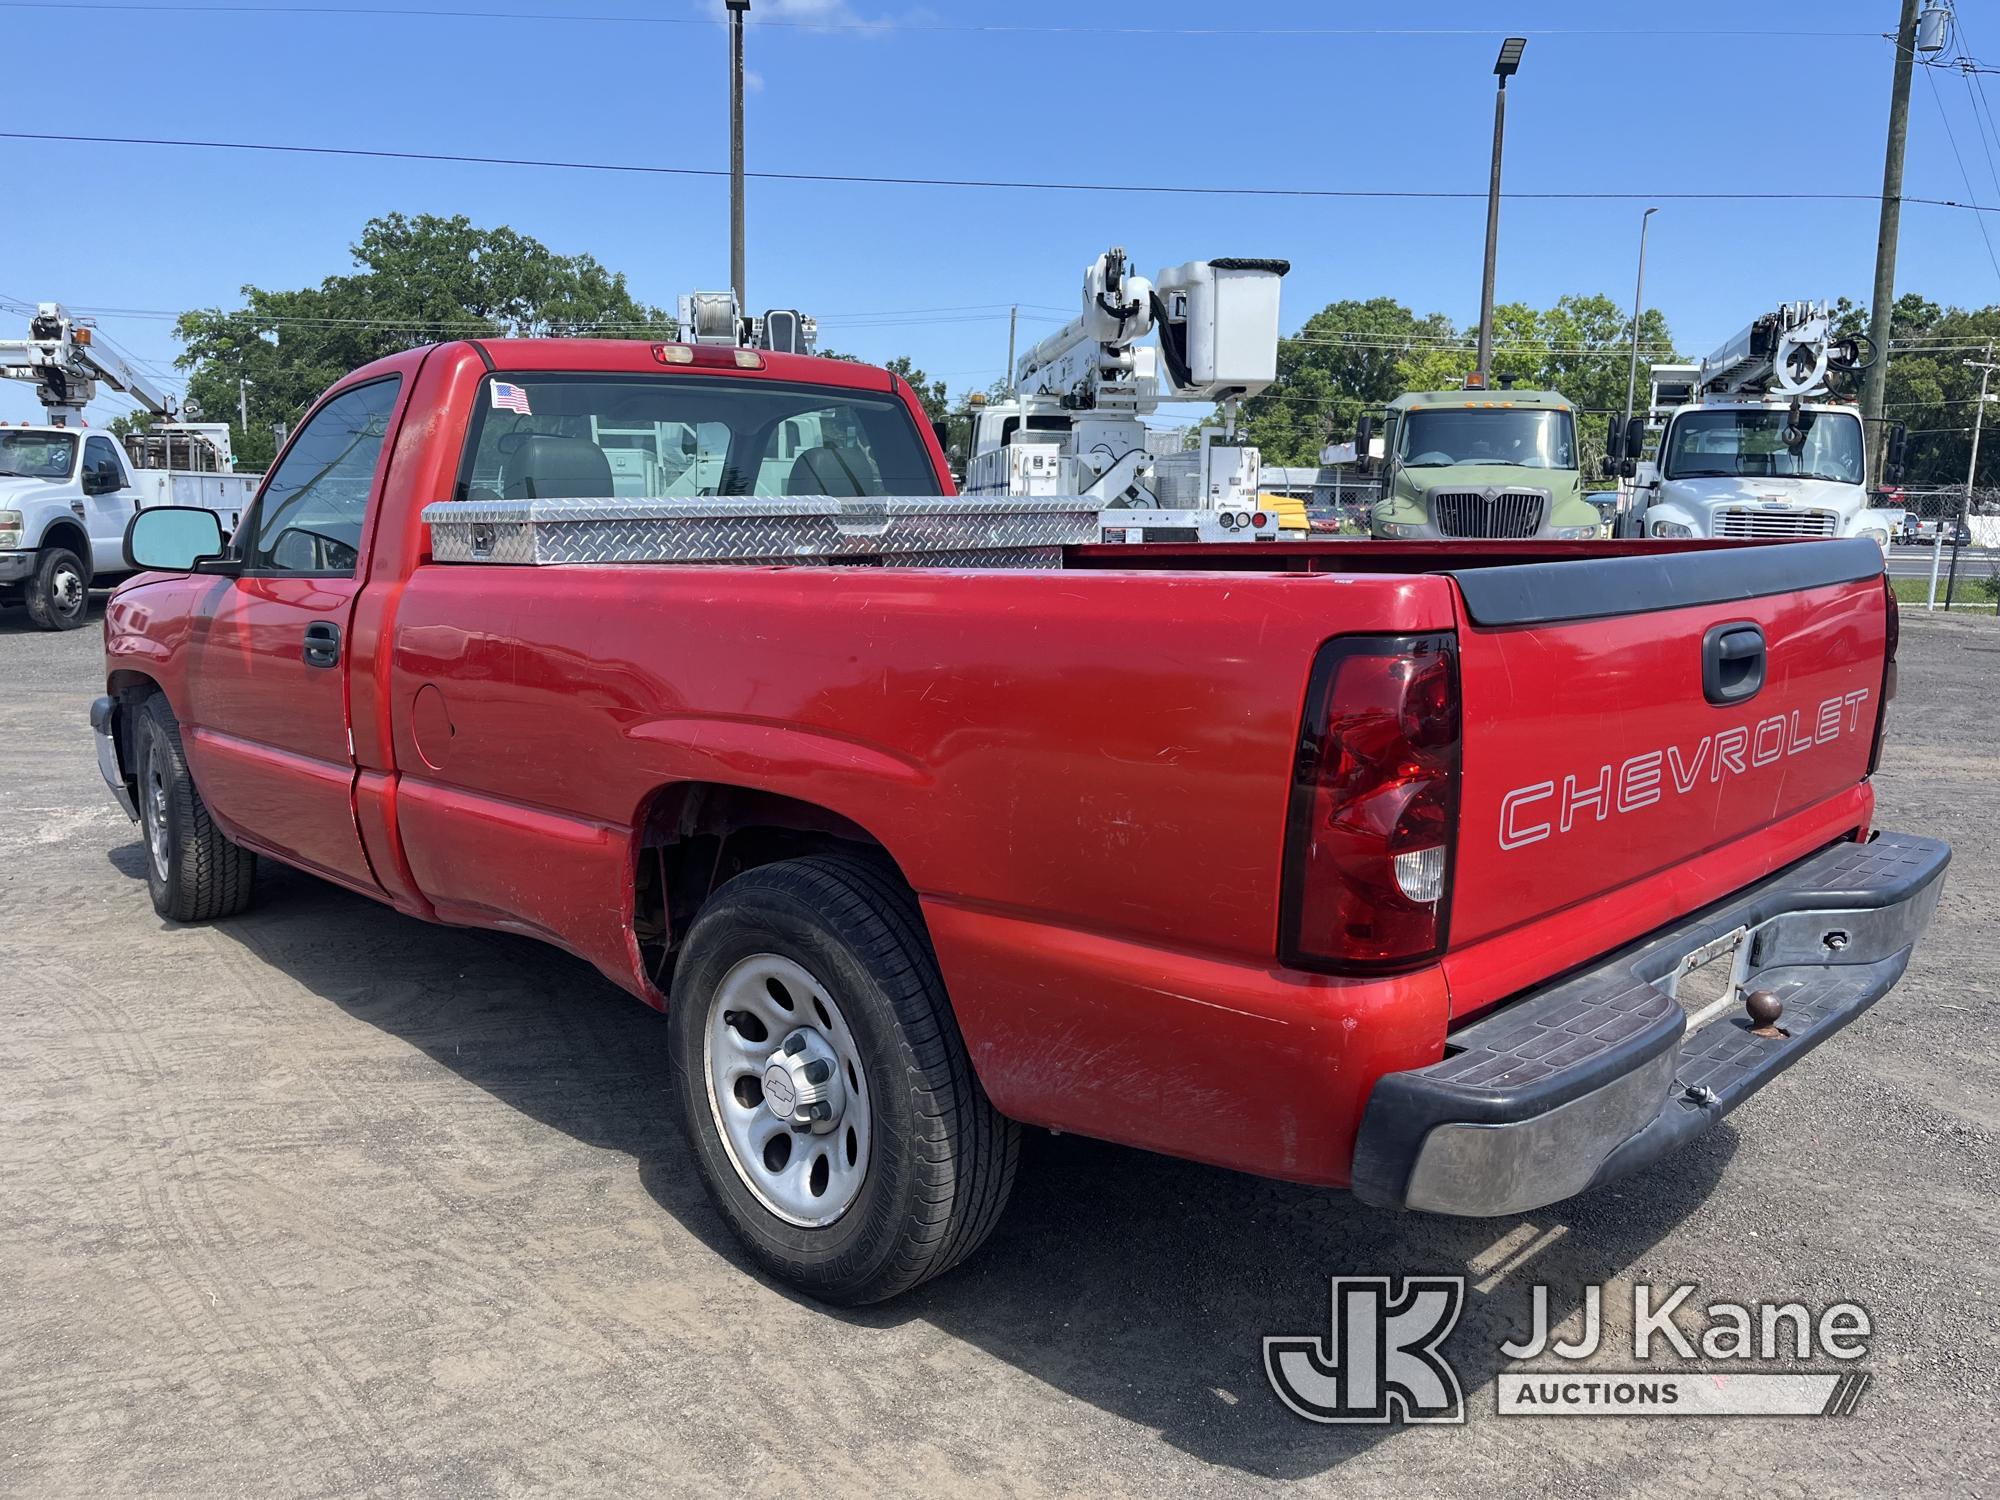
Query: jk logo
1381, 1361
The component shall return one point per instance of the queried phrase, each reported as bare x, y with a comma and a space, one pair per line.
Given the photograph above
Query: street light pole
1504, 67
737, 9
1638, 297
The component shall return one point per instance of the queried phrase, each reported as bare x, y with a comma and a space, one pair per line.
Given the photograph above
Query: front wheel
193, 872
823, 1084
58, 591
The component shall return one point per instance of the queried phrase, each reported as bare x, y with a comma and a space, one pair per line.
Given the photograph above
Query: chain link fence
1961, 529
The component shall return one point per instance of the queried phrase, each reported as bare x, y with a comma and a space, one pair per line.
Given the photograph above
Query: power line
159, 370
882, 26
1020, 185
1965, 176
1363, 340
900, 312
1982, 128
252, 319
1969, 71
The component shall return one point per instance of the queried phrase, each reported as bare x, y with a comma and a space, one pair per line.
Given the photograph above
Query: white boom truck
1072, 424
1752, 444
66, 492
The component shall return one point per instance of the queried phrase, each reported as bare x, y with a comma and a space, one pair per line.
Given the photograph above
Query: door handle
322, 647
1732, 662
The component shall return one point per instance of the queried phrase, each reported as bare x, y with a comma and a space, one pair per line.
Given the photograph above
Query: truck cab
67, 492
65, 496
1725, 470
1479, 464
1754, 445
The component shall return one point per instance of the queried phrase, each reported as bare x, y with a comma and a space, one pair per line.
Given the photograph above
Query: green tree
930, 392
1355, 356
1341, 362
416, 281
1931, 389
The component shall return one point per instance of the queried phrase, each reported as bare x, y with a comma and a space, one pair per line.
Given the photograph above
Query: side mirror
98, 482
1635, 441
1364, 437
1614, 445
942, 430
1898, 453
172, 538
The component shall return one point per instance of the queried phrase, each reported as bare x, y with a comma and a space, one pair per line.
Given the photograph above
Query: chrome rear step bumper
1597, 1075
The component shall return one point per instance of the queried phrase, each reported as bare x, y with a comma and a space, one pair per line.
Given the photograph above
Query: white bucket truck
1073, 423
1752, 443
67, 491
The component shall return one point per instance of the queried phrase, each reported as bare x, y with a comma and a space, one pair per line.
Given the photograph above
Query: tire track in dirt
210, 1296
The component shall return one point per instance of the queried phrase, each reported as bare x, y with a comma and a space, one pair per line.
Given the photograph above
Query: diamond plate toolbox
933, 531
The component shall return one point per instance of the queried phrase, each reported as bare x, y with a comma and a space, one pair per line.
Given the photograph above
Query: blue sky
1650, 98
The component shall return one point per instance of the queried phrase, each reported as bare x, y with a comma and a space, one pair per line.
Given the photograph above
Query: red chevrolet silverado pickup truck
1374, 866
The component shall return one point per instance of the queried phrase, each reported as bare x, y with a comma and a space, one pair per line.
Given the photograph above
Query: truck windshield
589, 436
1733, 444
1438, 436
36, 455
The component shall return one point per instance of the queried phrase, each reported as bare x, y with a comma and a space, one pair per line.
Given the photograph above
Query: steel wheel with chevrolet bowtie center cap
823, 1085
785, 1086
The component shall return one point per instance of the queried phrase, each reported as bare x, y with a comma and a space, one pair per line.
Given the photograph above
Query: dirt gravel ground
323, 1201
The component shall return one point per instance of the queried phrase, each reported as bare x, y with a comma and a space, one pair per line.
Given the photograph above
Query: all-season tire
193, 873
937, 1159
58, 591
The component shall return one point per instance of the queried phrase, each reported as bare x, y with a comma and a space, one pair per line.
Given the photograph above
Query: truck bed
1085, 775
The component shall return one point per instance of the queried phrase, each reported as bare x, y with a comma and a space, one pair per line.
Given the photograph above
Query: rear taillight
1892, 636
1374, 811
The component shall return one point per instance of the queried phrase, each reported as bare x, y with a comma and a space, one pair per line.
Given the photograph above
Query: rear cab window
643, 436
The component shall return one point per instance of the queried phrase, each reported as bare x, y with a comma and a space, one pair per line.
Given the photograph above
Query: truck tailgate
1627, 715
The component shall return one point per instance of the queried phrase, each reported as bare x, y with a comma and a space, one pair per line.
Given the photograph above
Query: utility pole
1985, 367
1013, 318
1504, 67
737, 10
243, 405
1638, 297
1875, 384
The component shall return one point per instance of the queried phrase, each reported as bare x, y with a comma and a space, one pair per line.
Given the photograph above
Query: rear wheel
193, 873
58, 591
823, 1085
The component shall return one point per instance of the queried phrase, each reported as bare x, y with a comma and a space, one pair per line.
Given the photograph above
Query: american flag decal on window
511, 398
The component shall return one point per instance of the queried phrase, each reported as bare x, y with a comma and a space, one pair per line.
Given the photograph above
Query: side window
310, 517
100, 464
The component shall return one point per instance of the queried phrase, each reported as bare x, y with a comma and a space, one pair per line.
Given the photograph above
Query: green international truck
1479, 465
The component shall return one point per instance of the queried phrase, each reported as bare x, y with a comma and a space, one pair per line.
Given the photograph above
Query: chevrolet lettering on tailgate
1530, 814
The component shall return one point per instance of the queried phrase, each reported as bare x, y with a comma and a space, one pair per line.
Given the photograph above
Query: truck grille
1746, 525
1507, 515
